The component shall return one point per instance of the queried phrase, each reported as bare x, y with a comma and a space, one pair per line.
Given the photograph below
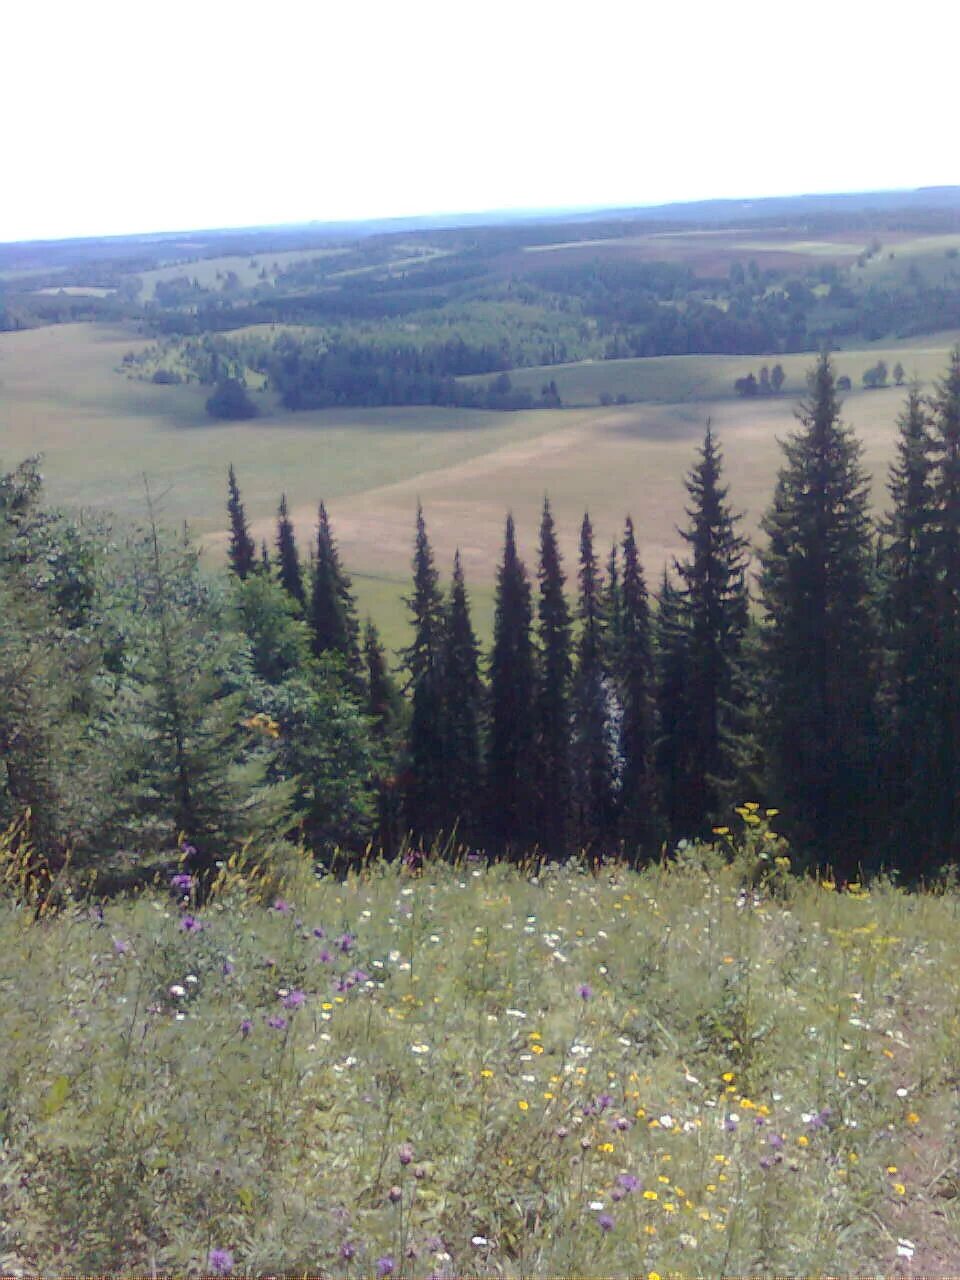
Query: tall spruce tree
714, 597
636, 687
592, 740
333, 612
675, 717
510, 803
820, 636
553, 696
242, 549
291, 577
424, 800
462, 709
908, 581
944, 780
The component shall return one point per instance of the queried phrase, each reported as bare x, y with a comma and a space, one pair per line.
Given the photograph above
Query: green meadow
62, 394
700, 1068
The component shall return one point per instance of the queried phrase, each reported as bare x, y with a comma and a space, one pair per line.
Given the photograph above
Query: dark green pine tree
716, 602
462, 699
383, 709
510, 798
636, 688
424, 798
383, 699
264, 556
613, 608
552, 758
908, 585
944, 779
291, 578
592, 756
820, 639
242, 549
333, 612
673, 752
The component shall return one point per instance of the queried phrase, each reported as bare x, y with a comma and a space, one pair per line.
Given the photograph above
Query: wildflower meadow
707, 1066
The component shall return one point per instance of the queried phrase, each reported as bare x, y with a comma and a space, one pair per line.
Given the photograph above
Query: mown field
60, 394
486, 1070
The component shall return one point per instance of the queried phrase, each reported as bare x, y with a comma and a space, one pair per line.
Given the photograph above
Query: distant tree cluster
769, 383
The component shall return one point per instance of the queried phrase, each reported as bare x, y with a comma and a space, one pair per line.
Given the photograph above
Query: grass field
60, 395
206, 269
481, 1071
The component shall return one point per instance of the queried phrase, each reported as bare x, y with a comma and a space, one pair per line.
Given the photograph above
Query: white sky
143, 115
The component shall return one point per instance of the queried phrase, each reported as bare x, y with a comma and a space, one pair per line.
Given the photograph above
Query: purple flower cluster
585, 991
181, 882
294, 999
190, 924
220, 1261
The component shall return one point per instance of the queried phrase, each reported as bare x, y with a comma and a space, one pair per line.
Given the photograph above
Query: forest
153, 714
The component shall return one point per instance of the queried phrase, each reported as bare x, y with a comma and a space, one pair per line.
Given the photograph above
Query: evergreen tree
383, 710
511, 739
908, 583
675, 717
636, 687
591, 754
424, 661
264, 556
715, 600
944, 779
462, 708
333, 613
382, 697
553, 696
242, 550
820, 635
291, 577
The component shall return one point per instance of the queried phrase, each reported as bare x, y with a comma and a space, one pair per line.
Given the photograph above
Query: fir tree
636, 687
716, 604
382, 697
242, 549
333, 613
511, 738
820, 641
553, 696
591, 754
675, 717
291, 577
264, 556
383, 710
424, 661
462, 706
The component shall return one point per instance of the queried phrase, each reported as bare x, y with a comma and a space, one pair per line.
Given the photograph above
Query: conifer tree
382, 697
511, 691
715, 599
383, 709
291, 577
461, 711
332, 612
636, 686
944, 781
908, 583
242, 549
820, 635
591, 755
553, 696
675, 718
424, 661
264, 556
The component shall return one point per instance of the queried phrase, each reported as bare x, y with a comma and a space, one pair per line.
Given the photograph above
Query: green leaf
56, 1097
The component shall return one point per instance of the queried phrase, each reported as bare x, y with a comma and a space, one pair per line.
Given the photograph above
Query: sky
125, 116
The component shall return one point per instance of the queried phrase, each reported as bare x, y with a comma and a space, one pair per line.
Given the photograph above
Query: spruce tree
636, 688
291, 577
383, 710
332, 612
908, 583
461, 712
553, 696
511, 691
424, 660
944, 780
675, 719
820, 636
714, 598
591, 753
382, 697
242, 549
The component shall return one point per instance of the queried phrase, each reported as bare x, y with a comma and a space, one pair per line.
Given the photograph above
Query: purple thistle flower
820, 1119
320, 933
385, 1265
345, 942
181, 882
584, 991
282, 906
347, 1250
405, 1153
775, 1141
278, 1023
621, 1124
246, 1026
220, 1261
359, 975
325, 957
190, 924
604, 1101
766, 1162
617, 1194
605, 1222
629, 1181
120, 947
294, 999
227, 968
394, 1195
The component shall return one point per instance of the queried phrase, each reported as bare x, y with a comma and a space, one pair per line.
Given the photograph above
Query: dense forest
151, 713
